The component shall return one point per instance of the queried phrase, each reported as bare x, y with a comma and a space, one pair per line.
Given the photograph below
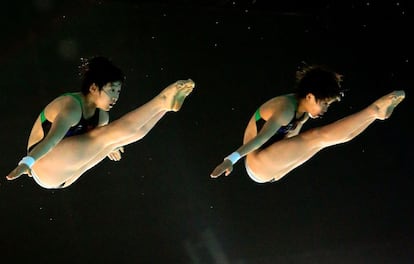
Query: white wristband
233, 157
29, 161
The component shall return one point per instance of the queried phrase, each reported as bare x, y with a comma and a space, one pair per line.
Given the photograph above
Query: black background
351, 203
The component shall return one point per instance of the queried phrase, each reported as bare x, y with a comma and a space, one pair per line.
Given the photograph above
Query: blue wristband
29, 161
233, 157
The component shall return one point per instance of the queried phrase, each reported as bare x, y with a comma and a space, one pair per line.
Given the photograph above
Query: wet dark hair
320, 81
98, 70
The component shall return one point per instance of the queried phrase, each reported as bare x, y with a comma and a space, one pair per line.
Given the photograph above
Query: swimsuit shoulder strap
77, 98
42, 116
257, 115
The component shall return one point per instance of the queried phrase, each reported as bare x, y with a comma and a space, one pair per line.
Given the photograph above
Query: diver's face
110, 95
318, 107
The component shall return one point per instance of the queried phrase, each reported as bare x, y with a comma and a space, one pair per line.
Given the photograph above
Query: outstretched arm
268, 130
226, 166
67, 116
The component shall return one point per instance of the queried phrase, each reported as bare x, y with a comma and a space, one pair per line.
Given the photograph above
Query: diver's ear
93, 88
310, 97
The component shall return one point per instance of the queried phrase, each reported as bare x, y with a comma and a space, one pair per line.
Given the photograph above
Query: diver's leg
283, 156
138, 122
104, 153
74, 155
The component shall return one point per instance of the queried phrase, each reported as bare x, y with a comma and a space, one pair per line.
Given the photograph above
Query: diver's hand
225, 167
18, 171
115, 155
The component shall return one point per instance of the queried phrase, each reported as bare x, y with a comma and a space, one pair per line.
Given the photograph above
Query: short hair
99, 71
320, 81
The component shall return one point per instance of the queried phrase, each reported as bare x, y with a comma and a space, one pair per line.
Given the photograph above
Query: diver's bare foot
175, 94
386, 104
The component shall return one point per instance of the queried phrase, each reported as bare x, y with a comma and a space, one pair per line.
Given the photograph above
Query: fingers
113, 157
214, 174
218, 174
11, 176
14, 174
220, 169
116, 155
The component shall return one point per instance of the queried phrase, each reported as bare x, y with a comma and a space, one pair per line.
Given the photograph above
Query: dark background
351, 203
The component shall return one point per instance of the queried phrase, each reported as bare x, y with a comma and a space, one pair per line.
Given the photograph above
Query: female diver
272, 143
72, 133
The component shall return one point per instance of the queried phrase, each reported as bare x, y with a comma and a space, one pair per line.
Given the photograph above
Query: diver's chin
106, 109
320, 115
315, 117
